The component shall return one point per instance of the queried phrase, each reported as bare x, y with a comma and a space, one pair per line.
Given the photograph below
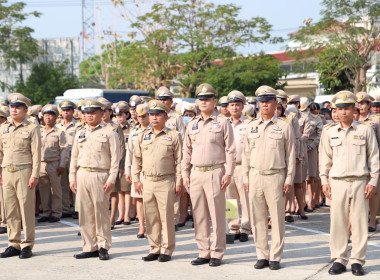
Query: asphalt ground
306, 255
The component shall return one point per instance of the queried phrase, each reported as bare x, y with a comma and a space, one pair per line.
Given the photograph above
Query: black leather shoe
243, 237
237, 236
215, 262
26, 253
273, 265
54, 219
75, 216
371, 229
357, 269
86, 255
66, 215
289, 219
118, 222
164, 258
3, 230
103, 254
176, 228
260, 264
337, 268
10, 252
200, 261
141, 235
126, 223
181, 224
150, 257
43, 219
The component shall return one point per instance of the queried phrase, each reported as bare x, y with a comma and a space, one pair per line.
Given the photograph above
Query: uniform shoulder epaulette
5, 123
110, 126
376, 116
366, 123
285, 120
59, 129
314, 116
32, 124
328, 125
292, 114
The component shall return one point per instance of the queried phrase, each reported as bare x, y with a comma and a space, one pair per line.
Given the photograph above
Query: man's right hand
186, 184
139, 187
327, 191
128, 177
73, 187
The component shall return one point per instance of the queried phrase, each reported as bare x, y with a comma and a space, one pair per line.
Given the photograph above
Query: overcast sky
63, 18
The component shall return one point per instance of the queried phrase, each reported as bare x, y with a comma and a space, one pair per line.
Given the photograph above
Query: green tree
244, 74
348, 35
16, 43
47, 81
175, 41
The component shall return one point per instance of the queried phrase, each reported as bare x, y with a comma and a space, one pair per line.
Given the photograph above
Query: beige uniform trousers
50, 189
94, 215
65, 185
19, 202
266, 193
3, 218
209, 200
159, 214
236, 190
348, 198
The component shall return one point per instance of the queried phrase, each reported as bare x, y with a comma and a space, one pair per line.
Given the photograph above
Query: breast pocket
359, 146
166, 147
336, 145
275, 140
5, 140
194, 135
253, 139
52, 141
146, 145
100, 143
216, 134
22, 140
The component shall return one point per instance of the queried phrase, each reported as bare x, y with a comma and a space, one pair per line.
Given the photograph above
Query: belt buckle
88, 169
203, 169
154, 179
12, 169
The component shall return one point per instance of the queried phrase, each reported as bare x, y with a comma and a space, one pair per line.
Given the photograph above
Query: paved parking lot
306, 256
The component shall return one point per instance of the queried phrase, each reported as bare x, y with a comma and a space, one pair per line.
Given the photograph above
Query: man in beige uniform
365, 104
20, 157
235, 190
116, 126
268, 163
133, 102
68, 125
94, 167
3, 219
223, 103
175, 122
157, 154
349, 170
207, 167
54, 157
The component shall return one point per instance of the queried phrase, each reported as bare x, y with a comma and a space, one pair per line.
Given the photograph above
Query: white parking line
324, 233
76, 226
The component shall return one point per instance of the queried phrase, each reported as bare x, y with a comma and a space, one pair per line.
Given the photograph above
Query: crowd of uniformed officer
163, 163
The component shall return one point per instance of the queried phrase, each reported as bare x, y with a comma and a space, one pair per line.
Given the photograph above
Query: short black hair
314, 106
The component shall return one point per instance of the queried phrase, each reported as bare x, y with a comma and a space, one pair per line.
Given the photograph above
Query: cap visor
205, 96
344, 104
49, 112
266, 98
17, 103
163, 97
235, 99
155, 111
90, 109
376, 104
67, 108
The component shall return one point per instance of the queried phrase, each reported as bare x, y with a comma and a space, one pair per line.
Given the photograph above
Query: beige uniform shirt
293, 118
129, 151
349, 153
21, 145
96, 148
316, 125
374, 121
209, 142
305, 130
157, 154
239, 132
175, 122
116, 126
70, 132
54, 146
269, 147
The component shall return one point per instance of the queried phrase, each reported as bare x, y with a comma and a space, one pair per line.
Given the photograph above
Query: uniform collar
242, 119
354, 124
213, 117
150, 130
101, 124
25, 122
273, 119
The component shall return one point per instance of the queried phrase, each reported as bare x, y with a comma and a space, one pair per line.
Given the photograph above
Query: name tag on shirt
23, 132
195, 126
277, 128
6, 130
102, 135
358, 137
147, 137
82, 135
167, 138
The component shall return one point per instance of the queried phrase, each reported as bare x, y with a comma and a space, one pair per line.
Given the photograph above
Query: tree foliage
47, 81
347, 34
17, 45
173, 42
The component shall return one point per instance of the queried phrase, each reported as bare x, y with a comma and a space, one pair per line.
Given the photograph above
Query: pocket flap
335, 142
101, 139
359, 142
276, 136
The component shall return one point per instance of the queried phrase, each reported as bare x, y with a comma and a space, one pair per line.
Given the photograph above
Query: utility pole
88, 29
